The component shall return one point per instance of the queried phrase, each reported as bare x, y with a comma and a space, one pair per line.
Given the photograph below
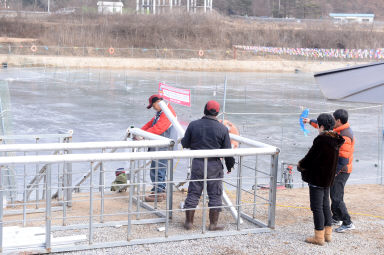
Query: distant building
110, 7
352, 17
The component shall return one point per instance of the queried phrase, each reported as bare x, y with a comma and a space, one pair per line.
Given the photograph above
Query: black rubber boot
214, 218
189, 214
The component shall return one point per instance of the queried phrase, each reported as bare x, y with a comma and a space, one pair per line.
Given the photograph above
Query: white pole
225, 96
205, 6
172, 119
154, 6
137, 6
49, 5
188, 5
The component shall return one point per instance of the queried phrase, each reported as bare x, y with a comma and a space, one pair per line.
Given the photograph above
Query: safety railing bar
84, 145
72, 158
36, 136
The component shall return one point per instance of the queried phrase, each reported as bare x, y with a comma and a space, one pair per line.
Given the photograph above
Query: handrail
85, 146
67, 158
36, 136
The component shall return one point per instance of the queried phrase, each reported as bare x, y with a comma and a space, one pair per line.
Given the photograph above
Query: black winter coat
318, 167
208, 133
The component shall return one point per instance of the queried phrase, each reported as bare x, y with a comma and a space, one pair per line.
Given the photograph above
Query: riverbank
209, 65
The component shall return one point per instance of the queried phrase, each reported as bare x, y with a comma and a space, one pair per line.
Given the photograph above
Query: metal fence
98, 218
9, 173
165, 53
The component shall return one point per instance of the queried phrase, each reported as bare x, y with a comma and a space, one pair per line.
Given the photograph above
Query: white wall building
353, 17
110, 7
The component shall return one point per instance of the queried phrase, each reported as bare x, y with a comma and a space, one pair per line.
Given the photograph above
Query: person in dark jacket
207, 133
318, 169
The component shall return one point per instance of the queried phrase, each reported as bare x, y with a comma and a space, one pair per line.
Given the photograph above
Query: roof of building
360, 15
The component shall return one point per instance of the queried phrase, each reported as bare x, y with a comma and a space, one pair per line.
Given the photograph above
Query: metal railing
97, 210
13, 141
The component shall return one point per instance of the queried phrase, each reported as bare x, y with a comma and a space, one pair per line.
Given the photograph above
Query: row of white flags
318, 53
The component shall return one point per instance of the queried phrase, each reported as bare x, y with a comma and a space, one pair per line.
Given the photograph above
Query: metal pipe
232, 208
255, 189
48, 213
170, 185
205, 194
34, 137
172, 118
145, 134
272, 191
90, 234
102, 189
225, 96
123, 156
129, 227
38, 182
1, 208
250, 142
161, 142
168, 199
156, 181
24, 196
238, 196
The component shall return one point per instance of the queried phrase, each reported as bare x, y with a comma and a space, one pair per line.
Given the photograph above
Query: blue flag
304, 115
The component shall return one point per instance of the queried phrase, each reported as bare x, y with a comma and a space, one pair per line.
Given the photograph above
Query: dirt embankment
261, 65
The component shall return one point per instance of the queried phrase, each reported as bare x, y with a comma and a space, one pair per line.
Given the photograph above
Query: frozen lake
100, 104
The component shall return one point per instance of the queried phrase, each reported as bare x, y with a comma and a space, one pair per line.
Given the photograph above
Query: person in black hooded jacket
318, 169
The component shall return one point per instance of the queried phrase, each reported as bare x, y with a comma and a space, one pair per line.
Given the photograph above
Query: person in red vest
340, 215
159, 125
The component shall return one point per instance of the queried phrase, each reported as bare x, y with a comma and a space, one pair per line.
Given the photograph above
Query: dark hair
341, 115
326, 120
210, 112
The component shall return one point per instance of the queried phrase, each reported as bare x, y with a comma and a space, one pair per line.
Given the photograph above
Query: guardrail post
255, 189
48, 213
168, 199
91, 206
25, 195
272, 191
170, 183
131, 178
238, 191
1, 208
101, 189
37, 182
205, 195
69, 177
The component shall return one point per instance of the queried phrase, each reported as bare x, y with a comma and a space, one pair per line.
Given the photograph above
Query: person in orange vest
159, 125
340, 215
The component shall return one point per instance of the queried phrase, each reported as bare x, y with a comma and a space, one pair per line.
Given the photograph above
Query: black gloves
229, 163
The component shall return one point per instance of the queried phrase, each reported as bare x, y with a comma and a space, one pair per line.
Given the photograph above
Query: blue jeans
161, 175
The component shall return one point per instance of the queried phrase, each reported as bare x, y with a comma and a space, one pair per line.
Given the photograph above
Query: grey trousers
214, 188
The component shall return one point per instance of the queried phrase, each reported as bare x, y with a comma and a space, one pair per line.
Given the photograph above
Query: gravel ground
284, 240
294, 224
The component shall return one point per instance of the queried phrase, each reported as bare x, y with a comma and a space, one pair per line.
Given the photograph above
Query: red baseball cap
212, 107
152, 99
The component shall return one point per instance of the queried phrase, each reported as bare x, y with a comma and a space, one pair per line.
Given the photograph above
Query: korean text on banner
175, 95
